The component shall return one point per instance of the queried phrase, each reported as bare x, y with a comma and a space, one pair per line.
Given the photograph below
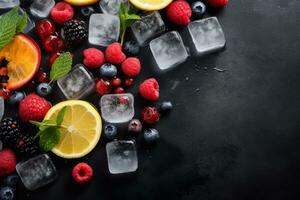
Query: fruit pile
72, 128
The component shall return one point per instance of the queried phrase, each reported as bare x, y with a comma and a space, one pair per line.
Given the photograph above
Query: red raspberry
8, 161
33, 107
217, 3
179, 12
131, 67
150, 115
93, 58
44, 28
82, 173
62, 12
103, 86
119, 90
114, 54
116, 82
149, 89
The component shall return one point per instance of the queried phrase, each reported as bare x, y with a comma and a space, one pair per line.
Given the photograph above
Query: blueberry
166, 106
198, 9
131, 48
11, 180
16, 97
108, 70
7, 193
110, 131
87, 11
44, 89
151, 135
135, 125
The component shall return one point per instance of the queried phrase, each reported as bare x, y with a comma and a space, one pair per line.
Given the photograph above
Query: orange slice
24, 57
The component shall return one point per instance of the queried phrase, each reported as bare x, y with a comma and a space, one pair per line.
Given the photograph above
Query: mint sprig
61, 66
49, 131
11, 23
127, 17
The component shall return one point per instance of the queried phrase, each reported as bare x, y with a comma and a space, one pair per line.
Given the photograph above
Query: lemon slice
81, 128
150, 5
81, 2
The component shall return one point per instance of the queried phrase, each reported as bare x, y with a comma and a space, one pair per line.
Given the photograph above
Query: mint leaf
60, 116
49, 138
44, 124
8, 25
61, 66
22, 23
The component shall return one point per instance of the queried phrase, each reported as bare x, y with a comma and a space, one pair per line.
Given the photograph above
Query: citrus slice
150, 5
81, 128
24, 57
81, 2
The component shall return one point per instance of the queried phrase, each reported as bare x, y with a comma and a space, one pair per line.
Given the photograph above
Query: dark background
232, 135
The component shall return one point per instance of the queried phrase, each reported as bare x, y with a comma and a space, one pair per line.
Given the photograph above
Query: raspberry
179, 12
150, 115
131, 67
119, 90
217, 3
33, 107
114, 54
103, 86
82, 173
62, 12
149, 89
93, 58
8, 161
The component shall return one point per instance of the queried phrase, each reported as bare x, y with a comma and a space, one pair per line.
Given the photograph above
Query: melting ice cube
41, 8
4, 4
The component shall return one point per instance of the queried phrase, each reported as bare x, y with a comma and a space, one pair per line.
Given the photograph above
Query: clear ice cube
30, 22
117, 108
111, 6
121, 156
78, 83
168, 50
4, 4
207, 35
36, 172
104, 29
148, 27
2, 107
41, 8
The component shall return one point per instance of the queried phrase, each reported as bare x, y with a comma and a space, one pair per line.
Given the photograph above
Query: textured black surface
232, 135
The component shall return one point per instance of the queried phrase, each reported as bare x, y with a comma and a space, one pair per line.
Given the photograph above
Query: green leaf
8, 25
60, 116
61, 66
22, 23
49, 138
44, 124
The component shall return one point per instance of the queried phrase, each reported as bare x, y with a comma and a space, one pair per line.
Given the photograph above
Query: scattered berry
31, 85
4, 93
108, 70
110, 131
128, 82
53, 43
16, 97
150, 115
103, 86
217, 3
87, 11
27, 146
149, 89
165, 107
131, 67
34, 108
44, 28
179, 12
75, 32
11, 180
119, 90
93, 58
9, 131
114, 54
131, 48
62, 12
82, 173
135, 126
53, 57
8, 161
198, 9
7, 193
44, 89
41, 77
151, 135
115, 82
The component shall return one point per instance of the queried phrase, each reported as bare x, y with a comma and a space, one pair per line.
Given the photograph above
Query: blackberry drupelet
9, 131
74, 32
27, 146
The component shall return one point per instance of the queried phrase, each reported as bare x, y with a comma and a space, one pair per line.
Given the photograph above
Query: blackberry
9, 131
74, 32
27, 146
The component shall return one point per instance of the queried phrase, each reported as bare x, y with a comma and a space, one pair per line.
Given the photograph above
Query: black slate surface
232, 135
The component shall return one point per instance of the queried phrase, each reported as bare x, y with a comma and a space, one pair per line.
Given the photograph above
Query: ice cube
104, 29
78, 83
1, 107
207, 35
168, 50
121, 156
37, 172
30, 22
41, 8
148, 27
9, 3
117, 108
111, 6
